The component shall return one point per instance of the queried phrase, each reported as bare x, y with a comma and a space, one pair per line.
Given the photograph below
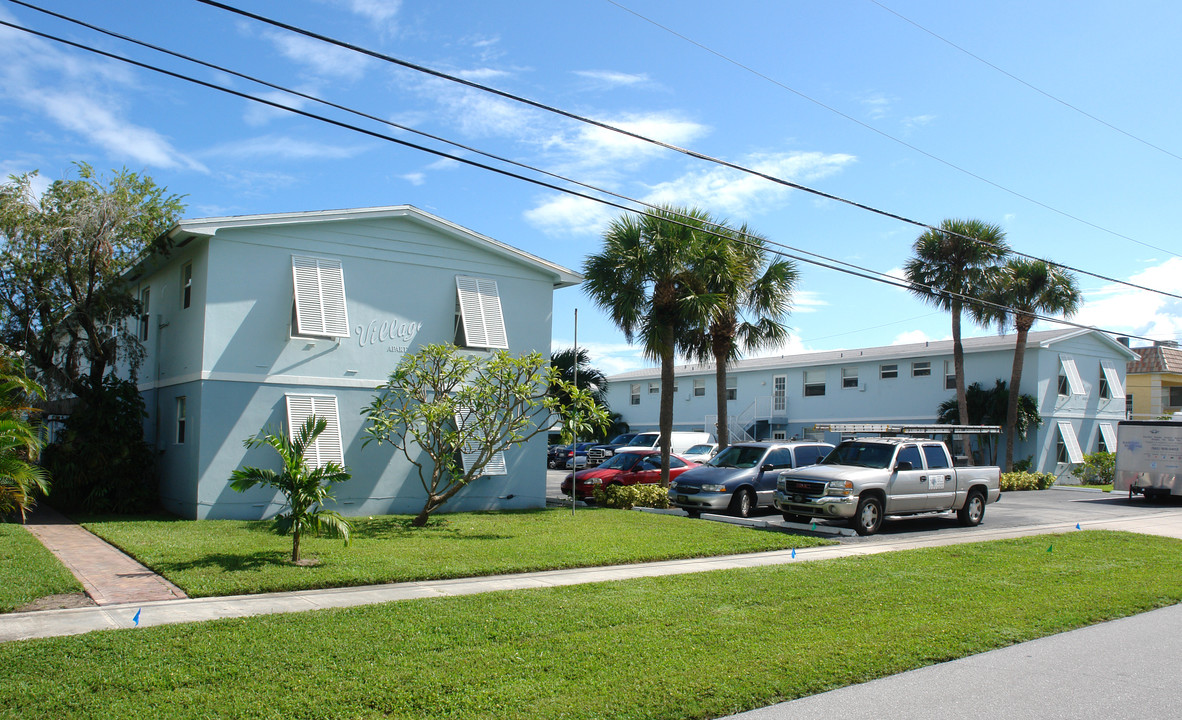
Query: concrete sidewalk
160, 610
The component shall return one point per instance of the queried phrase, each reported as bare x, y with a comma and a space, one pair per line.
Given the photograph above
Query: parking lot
1015, 510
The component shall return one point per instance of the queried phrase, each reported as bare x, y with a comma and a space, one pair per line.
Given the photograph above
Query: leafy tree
988, 407
1016, 293
64, 307
1098, 468
756, 293
305, 489
648, 278
950, 264
452, 413
100, 462
21, 480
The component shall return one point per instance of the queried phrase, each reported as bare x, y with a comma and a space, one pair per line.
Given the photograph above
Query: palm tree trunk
295, 544
724, 427
962, 401
666, 418
1023, 328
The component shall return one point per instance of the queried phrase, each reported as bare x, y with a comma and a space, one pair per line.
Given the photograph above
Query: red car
627, 468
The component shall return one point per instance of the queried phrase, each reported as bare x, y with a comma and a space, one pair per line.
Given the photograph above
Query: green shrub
1098, 468
1023, 465
626, 497
1026, 481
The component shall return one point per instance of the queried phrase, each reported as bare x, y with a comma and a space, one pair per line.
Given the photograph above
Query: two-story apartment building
259, 321
1076, 377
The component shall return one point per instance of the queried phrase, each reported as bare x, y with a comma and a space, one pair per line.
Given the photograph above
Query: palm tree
988, 407
949, 265
589, 378
647, 277
305, 489
21, 479
1018, 292
756, 292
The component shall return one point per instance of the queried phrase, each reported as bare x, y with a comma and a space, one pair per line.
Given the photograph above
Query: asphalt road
1014, 510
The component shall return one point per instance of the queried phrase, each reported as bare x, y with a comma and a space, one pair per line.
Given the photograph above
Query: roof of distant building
1156, 358
917, 351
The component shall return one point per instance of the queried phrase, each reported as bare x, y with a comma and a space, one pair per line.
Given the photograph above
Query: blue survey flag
137, 617
1077, 526
793, 553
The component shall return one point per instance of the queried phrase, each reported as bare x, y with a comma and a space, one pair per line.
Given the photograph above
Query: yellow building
1153, 383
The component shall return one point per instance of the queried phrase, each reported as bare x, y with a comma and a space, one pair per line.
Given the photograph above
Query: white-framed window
732, 388
1070, 383
779, 435
849, 378
480, 322
181, 419
145, 316
814, 383
1110, 385
634, 392
889, 371
699, 387
1175, 396
327, 447
319, 297
921, 368
1067, 450
654, 388
949, 375
470, 453
186, 285
1107, 441
779, 393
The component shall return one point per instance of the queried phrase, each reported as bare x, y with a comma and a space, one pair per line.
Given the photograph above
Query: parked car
575, 456
553, 452
603, 451
627, 468
742, 477
679, 442
701, 453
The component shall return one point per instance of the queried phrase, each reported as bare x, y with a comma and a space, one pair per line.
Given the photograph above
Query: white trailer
1148, 458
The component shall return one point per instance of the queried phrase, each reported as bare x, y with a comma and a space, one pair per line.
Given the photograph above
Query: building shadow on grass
395, 528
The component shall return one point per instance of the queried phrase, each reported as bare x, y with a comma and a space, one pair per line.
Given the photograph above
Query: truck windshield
737, 456
861, 454
622, 439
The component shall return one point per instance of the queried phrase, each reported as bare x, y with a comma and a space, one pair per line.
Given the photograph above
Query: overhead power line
800, 254
887, 135
1017, 79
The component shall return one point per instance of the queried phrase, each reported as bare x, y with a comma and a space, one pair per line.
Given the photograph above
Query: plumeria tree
452, 414
305, 489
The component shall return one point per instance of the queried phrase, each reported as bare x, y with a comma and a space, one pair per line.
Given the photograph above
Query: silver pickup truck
866, 479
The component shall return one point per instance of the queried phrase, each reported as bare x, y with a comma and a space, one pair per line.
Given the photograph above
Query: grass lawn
28, 571
689, 646
228, 557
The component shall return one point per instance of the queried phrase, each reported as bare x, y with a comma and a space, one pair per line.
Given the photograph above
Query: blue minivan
742, 477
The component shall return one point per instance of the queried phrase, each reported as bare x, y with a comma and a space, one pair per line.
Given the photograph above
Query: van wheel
973, 511
743, 503
693, 513
868, 518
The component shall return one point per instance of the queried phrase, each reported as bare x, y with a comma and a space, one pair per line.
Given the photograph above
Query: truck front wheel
974, 509
868, 518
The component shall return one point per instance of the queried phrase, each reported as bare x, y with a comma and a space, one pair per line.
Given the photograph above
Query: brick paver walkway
109, 576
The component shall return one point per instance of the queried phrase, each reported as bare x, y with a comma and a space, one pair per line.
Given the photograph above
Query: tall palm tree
1016, 293
989, 407
950, 264
305, 489
589, 378
756, 292
647, 277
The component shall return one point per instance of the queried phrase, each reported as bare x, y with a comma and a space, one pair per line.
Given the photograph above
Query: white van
679, 441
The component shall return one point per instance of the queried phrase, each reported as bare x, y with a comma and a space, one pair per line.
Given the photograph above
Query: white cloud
916, 121
1139, 312
323, 59
376, 10
284, 147
569, 215
730, 192
911, 337
610, 358
877, 105
612, 78
593, 146
416, 179
807, 301
482, 75
258, 114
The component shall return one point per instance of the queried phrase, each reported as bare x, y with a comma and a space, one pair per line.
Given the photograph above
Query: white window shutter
320, 297
1075, 384
470, 452
327, 447
1074, 454
1109, 434
480, 312
1115, 389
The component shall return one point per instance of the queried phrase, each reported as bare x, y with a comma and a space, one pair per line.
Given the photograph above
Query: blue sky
844, 96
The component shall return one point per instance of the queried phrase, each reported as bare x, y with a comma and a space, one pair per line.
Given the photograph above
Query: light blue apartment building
262, 320
1077, 377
